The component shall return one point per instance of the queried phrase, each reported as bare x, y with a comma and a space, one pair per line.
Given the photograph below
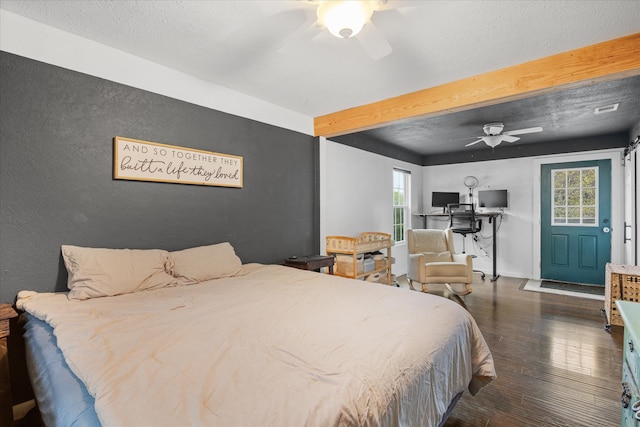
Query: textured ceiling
273, 51
563, 115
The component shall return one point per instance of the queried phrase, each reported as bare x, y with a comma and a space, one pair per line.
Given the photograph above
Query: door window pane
589, 196
589, 215
560, 197
573, 179
575, 196
573, 215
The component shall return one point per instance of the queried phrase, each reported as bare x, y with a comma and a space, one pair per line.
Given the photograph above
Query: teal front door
575, 217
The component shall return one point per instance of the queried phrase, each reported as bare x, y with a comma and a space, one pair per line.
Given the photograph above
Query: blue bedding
62, 398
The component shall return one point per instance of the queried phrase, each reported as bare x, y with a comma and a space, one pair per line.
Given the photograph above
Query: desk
492, 220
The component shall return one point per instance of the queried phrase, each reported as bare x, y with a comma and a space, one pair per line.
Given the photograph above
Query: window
401, 203
575, 196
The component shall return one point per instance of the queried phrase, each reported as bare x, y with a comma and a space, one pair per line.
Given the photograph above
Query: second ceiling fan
494, 135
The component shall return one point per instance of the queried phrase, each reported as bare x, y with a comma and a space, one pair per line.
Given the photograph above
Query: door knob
606, 229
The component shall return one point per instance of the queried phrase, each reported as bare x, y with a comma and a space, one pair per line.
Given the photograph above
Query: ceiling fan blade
510, 138
299, 40
473, 143
523, 131
395, 4
466, 137
373, 42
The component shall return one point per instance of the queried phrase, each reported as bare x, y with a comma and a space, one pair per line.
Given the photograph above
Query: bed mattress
62, 398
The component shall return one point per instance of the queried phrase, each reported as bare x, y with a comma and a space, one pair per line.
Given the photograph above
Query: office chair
463, 220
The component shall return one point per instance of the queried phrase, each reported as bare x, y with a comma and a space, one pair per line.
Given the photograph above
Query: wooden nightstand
311, 262
6, 400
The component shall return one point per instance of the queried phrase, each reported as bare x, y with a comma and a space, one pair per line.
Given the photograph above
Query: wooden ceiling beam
610, 60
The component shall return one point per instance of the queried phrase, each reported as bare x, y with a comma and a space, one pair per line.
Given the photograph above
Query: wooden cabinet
354, 249
622, 282
630, 314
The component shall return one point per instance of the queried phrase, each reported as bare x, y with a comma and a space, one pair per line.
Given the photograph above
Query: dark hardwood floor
556, 364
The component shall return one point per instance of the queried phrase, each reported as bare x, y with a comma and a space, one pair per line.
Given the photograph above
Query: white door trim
617, 198
631, 186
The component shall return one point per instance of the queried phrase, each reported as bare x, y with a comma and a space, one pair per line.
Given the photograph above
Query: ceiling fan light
492, 140
345, 19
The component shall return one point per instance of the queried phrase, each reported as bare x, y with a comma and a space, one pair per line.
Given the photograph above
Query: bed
245, 345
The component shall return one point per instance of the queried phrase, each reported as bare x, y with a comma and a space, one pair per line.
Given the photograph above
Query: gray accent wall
56, 177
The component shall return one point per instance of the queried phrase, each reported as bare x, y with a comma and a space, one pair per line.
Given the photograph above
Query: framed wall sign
150, 161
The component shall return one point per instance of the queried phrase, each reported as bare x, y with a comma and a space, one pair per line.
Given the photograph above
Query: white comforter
274, 347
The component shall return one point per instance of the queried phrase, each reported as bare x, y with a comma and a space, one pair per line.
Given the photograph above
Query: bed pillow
99, 272
437, 256
203, 263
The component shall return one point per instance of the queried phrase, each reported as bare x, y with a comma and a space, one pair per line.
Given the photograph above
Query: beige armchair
432, 260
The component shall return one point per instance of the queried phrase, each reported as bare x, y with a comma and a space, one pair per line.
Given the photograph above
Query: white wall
356, 189
356, 195
518, 239
515, 230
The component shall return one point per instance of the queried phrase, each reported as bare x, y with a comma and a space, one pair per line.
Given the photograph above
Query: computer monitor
492, 199
440, 199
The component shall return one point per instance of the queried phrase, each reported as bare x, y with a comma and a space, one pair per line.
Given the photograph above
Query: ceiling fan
347, 19
494, 135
